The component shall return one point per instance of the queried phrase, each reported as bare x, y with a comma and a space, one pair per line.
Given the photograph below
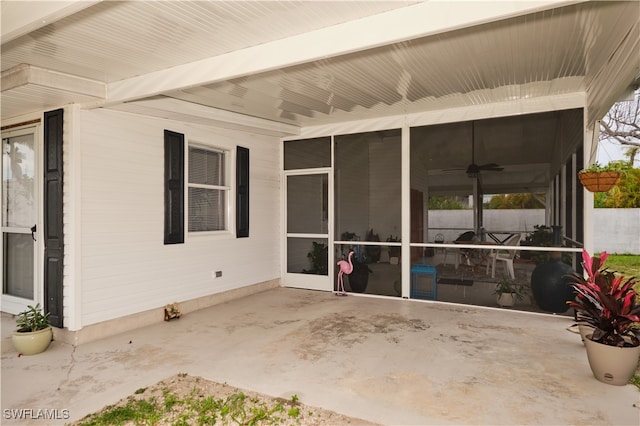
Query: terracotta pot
611, 364
599, 181
32, 342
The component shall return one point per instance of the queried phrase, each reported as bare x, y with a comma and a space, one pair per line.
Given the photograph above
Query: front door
19, 219
307, 230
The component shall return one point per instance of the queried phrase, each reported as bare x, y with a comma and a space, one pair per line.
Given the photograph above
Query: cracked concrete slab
383, 360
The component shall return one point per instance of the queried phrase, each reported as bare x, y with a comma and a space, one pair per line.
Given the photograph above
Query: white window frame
226, 188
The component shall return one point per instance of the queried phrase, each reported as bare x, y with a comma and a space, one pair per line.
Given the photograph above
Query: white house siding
126, 267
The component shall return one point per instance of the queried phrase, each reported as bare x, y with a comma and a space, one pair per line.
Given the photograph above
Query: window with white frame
208, 192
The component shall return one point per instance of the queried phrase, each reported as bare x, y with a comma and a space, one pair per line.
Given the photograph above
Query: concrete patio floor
383, 360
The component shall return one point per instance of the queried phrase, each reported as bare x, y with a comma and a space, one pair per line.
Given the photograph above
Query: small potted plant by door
33, 332
508, 291
597, 178
607, 302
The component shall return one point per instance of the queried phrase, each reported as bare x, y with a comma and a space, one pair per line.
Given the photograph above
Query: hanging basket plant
599, 178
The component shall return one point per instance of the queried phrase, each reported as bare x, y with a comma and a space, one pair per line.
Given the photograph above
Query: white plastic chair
505, 256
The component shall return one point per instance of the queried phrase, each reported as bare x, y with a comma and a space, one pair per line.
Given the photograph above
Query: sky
609, 150
612, 151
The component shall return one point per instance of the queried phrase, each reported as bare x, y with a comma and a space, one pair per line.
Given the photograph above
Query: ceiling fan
473, 169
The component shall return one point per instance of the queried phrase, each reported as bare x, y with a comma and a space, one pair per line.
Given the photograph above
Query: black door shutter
242, 192
53, 227
173, 187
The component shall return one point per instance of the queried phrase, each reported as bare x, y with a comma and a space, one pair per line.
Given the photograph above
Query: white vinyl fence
616, 230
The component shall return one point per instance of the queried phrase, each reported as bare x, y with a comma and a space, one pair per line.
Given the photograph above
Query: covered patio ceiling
525, 149
281, 67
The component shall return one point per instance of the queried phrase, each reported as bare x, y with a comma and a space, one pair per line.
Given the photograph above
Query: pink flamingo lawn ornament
345, 268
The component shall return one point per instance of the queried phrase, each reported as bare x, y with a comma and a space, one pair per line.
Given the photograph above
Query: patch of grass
195, 408
294, 412
137, 411
626, 264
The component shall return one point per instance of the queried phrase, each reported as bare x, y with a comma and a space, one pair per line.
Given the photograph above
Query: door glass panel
19, 207
18, 181
307, 153
307, 204
18, 265
307, 256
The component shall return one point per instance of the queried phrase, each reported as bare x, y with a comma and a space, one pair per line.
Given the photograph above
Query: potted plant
508, 291
541, 236
359, 277
33, 334
318, 257
597, 178
550, 280
607, 302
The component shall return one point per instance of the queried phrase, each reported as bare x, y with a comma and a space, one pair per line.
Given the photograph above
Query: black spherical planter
551, 287
359, 278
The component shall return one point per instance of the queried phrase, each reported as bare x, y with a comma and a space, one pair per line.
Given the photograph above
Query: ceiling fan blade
491, 167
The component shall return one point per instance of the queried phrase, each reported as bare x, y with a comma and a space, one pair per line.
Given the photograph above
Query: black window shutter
242, 192
173, 187
53, 213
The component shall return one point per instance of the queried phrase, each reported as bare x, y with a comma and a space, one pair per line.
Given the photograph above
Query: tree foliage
446, 202
626, 194
622, 124
516, 201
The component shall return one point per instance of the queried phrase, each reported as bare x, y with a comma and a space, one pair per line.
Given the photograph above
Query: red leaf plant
607, 302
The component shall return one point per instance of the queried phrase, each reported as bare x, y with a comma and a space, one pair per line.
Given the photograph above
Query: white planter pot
33, 342
611, 364
584, 331
506, 300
